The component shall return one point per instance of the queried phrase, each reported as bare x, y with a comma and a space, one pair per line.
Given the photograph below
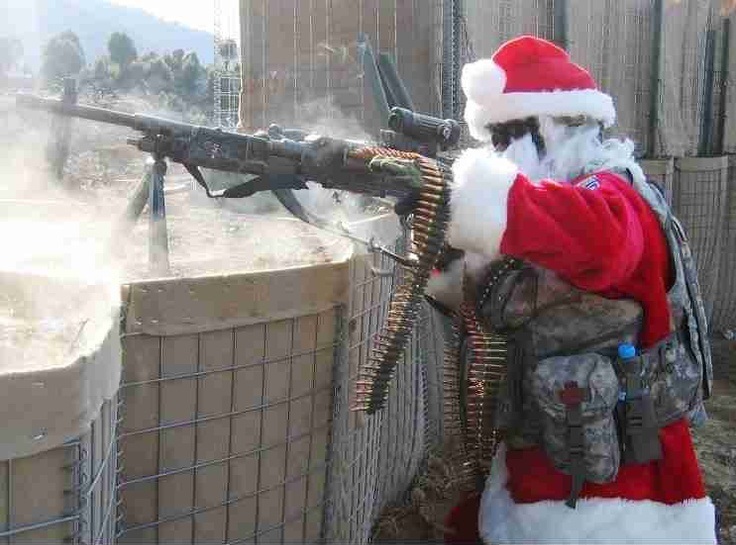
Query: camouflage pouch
577, 397
675, 377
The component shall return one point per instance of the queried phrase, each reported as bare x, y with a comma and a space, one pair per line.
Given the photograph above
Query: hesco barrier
724, 310
227, 406
65, 494
58, 455
699, 199
236, 421
702, 191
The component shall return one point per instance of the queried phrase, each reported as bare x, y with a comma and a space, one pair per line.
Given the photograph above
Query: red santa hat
526, 77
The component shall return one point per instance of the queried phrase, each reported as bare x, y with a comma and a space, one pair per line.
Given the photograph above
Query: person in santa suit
550, 192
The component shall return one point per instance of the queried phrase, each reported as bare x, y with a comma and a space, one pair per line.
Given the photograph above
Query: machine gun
277, 159
282, 161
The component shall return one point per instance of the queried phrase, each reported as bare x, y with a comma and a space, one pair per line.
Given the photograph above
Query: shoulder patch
590, 183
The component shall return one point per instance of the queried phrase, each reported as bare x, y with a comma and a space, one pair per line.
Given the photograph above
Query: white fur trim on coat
592, 521
507, 106
478, 201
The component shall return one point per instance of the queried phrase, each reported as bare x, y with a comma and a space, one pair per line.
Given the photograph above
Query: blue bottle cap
626, 351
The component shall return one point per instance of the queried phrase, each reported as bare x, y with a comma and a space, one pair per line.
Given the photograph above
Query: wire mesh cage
724, 313
661, 172
226, 413
66, 494
700, 185
613, 40
236, 421
729, 81
374, 459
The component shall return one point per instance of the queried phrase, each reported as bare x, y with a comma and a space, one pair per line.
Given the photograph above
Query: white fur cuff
592, 521
478, 201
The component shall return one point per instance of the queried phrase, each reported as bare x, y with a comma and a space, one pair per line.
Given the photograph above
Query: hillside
34, 21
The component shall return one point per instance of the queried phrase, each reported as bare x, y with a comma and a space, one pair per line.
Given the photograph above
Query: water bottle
641, 432
626, 353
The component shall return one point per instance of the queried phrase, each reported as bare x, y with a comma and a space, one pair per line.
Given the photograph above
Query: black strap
573, 396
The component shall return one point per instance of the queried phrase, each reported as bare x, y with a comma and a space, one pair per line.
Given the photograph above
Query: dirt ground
420, 518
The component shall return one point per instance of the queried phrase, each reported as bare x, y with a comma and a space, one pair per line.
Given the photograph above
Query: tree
122, 49
11, 52
175, 59
102, 69
62, 56
134, 75
158, 76
192, 74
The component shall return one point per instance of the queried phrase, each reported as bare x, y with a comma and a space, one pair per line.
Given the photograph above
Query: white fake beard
570, 152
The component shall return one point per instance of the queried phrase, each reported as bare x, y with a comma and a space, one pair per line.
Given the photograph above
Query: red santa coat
599, 235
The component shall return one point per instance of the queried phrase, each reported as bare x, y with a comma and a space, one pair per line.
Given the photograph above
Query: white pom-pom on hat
483, 80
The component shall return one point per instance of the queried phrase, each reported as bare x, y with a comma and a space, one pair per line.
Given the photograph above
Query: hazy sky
197, 14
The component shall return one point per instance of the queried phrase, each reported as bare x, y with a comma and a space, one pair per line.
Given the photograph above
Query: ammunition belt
429, 224
474, 371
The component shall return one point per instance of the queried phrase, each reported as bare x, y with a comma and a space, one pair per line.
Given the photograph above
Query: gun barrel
75, 110
446, 132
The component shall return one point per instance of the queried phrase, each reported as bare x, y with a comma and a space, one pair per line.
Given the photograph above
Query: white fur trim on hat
508, 106
592, 521
481, 184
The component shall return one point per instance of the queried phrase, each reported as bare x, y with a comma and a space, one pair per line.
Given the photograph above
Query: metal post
158, 237
655, 83
58, 150
560, 23
721, 138
448, 58
707, 117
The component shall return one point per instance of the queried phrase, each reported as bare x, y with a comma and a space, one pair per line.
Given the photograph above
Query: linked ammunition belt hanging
429, 223
475, 368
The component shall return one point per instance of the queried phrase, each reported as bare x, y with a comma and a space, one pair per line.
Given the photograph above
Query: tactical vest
568, 390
